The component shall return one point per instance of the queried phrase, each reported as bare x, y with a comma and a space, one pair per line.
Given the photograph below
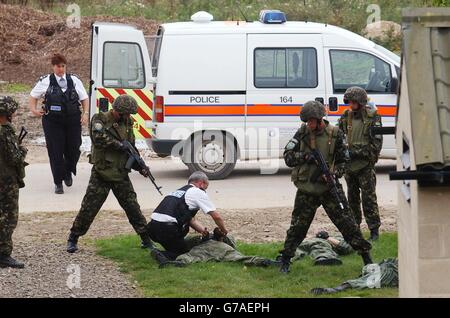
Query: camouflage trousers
305, 208
96, 194
215, 251
9, 215
362, 187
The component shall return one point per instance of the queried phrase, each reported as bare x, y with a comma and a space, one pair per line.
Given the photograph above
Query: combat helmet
355, 94
312, 109
8, 105
125, 104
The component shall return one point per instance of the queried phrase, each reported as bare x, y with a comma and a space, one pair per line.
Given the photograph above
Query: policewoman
64, 111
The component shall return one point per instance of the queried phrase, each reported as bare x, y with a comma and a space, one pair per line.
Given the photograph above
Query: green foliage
352, 15
237, 280
12, 88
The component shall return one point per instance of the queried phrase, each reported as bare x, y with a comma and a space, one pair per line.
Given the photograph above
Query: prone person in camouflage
217, 248
384, 274
109, 158
317, 133
364, 150
12, 173
323, 249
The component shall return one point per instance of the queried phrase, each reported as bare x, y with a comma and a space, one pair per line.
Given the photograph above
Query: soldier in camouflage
317, 133
364, 150
323, 249
12, 173
217, 248
380, 275
109, 158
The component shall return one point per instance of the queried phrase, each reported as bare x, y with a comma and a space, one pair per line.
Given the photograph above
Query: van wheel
216, 157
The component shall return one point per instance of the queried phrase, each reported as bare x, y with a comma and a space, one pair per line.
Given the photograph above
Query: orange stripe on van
267, 109
195, 110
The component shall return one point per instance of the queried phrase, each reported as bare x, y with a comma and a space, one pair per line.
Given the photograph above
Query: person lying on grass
323, 249
378, 275
216, 247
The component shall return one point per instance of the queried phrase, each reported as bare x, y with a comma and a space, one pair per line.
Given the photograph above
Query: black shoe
72, 243
159, 257
172, 263
327, 261
8, 261
374, 235
146, 242
366, 258
68, 181
285, 264
59, 189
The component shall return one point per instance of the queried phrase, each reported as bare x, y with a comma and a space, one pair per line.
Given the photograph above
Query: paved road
245, 188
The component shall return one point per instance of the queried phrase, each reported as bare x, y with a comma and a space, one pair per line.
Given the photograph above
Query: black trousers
170, 236
63, 139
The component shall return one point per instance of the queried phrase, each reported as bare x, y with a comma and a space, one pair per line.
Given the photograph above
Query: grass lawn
236, 280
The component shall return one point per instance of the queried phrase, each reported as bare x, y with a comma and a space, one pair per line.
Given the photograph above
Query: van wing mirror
333, 104
151, 80
394, 85
103, 105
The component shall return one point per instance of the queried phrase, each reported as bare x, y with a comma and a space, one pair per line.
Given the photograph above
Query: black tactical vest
60, 103
175, 206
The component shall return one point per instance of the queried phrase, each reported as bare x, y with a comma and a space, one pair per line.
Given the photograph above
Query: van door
352, 67
121, 65
284, 72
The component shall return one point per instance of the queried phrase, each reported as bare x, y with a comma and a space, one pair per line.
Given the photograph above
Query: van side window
123, 66
285, 68
354, 68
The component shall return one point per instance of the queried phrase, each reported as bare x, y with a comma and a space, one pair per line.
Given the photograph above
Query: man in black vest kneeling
172, 218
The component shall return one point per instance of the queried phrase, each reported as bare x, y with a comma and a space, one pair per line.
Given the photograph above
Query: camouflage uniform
381, 275
313, 193
322, 251
364, 150
12, 173
108, 171
216, 251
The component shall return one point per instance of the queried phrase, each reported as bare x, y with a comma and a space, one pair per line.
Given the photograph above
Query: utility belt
61, 110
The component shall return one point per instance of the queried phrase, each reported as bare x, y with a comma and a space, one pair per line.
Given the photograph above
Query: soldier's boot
323, 261
8, 261
366, 258
146, 242
72, 243
374, 235
285, 264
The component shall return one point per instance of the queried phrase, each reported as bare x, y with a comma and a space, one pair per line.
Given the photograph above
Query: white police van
225, 91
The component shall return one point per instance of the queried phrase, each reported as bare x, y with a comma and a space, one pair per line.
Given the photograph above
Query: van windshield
394, 57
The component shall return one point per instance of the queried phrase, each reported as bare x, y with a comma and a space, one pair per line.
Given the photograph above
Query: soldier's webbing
312, 139
349, 128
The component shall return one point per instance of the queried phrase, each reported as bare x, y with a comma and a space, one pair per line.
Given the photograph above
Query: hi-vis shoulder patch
291, 144
98, 126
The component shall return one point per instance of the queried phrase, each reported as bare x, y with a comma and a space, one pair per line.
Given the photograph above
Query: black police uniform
62, 128
170, 234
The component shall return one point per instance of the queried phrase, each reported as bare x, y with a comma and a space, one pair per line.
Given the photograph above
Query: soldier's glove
144, 172
323, 235
339, 171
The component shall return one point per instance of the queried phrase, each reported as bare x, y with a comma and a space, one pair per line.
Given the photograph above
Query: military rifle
22, 135
326, 174
135, 160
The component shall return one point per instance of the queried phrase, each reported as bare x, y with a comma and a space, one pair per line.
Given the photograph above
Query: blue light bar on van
272, 17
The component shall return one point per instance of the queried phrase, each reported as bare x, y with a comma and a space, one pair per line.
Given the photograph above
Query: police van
214, 92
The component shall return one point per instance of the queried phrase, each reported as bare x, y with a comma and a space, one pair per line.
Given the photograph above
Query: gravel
40, 243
